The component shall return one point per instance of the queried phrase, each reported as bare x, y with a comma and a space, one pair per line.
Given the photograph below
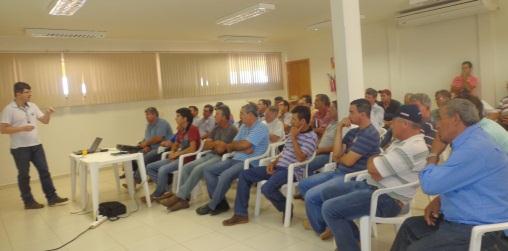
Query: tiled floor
154, 228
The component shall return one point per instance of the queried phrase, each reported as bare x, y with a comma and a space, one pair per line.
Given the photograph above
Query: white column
347, 45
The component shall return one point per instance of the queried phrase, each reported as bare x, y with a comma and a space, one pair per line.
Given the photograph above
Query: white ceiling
181, 20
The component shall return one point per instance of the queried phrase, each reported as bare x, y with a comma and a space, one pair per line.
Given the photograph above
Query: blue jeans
159, 171
219, 178
349, 201
270, 189
318, 162
148, 157
35, 154
193, 171
416, 235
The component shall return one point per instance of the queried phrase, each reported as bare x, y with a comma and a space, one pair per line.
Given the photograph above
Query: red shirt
458, 82
184, 138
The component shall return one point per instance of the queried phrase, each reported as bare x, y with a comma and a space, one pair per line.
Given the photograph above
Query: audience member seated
300, 145
442, 97
195, 114
284, 115
251, 141
351, 154
399, 165
465, 81
277, 100
407, 98
263, 105
275, 126
192, 172
231, 118
377, 113
207, 122
187, 141
305, 100
321, 119
471, 187
391, 106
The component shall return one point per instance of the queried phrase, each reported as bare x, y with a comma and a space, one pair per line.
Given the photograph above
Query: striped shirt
429, 131
361, 141
257, 135
307, 142
400, 164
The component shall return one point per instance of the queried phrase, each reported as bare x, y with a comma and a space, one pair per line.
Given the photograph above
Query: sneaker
236, 219
306, 224
327, 234
169, 202
57, 201
33, 205
221, 208
203, 210
181, 204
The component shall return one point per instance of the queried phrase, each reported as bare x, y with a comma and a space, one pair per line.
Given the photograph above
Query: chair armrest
350, 176
200, 154
164, 155
329, 167
273, 147
378, 192
291, 167
247, 162
182, 157
227, 156
478, 231
266, 161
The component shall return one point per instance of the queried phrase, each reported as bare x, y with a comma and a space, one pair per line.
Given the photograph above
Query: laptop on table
93, 148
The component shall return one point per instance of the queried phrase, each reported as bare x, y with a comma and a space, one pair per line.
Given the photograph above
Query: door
298, 73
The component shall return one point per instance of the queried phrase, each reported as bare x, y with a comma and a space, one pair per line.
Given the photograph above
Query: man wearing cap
391, 106
399, 165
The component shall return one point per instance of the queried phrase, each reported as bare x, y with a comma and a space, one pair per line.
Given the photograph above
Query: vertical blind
7, 78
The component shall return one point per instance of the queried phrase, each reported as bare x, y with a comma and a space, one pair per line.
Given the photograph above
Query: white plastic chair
290, 186
247, 162
477, 233
367, 223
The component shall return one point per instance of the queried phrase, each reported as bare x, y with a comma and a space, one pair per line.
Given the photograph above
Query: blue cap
410, 112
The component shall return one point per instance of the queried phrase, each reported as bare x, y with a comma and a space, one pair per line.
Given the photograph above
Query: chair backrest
274, 147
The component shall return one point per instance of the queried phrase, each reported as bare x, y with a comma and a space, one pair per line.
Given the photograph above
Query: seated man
351, 155
186, 141
192, 172
206, 123
275, 126
251, 141
389, 105
300, 145
471, 186
321, 119
263, 105
284, 115
399, 165
377, 113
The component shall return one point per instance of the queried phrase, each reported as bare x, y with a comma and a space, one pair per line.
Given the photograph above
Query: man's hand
270, 168
249, 150
146, 149
432, 211
173, 155
345, 122
166, 143
220, 147
27, 128
50, 110
294, 131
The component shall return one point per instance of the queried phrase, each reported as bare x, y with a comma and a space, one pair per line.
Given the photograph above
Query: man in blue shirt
251, 141
471, 187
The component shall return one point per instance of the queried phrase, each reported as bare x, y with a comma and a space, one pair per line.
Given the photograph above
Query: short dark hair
371, 92
251, 108
324, 98
308, 99
209, 107
266, 102
193, 107
303, 112
186, 113
444, 93
19, 87
285, 103
278, 99
362, 105
152, 110
468, 63
224, 109
218, 104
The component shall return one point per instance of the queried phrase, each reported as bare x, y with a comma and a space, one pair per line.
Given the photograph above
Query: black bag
112, 209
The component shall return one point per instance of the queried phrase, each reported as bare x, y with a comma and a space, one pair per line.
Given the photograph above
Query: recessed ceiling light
53, 33
242, 39
66, 7
247, 13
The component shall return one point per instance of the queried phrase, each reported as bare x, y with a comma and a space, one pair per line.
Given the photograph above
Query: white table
95, 161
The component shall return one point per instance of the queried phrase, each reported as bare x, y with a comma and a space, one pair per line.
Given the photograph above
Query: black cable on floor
73, 239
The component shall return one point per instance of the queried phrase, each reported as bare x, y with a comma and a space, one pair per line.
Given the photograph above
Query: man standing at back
19, 120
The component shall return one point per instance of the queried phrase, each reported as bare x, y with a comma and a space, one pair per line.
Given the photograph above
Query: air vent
242, 39
53, 33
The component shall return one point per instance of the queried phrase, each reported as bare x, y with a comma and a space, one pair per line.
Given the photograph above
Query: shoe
33, 205
203, 210
57, 201
180, 204
168, 202
327, 234
221, 208
306, 224
236, 219
164, 196
298, 197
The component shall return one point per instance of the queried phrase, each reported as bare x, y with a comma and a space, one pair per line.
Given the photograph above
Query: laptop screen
95, 145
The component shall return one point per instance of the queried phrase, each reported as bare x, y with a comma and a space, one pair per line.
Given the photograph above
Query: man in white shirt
19, 120
275, 126
284, 114
207, 122
377, 112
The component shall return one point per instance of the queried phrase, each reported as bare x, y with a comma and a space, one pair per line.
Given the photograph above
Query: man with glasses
19, 120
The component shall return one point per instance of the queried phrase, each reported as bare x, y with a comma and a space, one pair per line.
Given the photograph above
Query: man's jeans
193, 171
148, 157
318, 162
349, 201
35, 154
219, 178
159, 171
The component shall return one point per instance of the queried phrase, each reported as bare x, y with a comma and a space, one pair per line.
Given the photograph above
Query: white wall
74, 128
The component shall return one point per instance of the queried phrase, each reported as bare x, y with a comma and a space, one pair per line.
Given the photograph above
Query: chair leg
257, 208
365, 233
174, 186
374, 230
117, 177
289, 203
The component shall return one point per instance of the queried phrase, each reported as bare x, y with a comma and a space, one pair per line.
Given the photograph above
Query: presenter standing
19, 121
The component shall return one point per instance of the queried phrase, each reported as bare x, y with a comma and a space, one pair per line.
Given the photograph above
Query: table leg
73, 178
142, 172
129, 178
83, 173
94, 180
117, 177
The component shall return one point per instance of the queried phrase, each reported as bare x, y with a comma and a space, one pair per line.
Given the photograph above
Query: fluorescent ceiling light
247, 13
242, 39
53, 33
320, 25
66, 7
